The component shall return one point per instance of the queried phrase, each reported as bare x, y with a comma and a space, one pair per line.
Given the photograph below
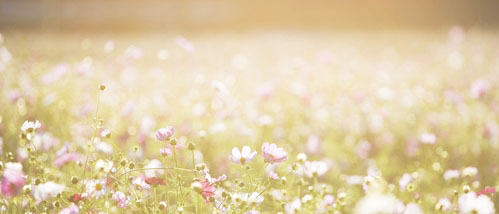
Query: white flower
470, 171
428, 138
315, 168
470, 203
30, 126
141, 183
103, 147
413, 208
443, 204
306, 198
47, 190
377, 203
293, 206
451, 173
404, 181
243, 156
104, 165
96, 188
153, 172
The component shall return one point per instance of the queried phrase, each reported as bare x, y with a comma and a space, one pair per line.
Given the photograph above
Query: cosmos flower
66, 158
272, 153
479, 88
165, 151
377, 203
242, 157
12, 179
47, 190
315, 168
163, 134
471, 203
451, 174
30, 126
293, 207
443, 204
121, 199
96, 188
207, 190
71, 209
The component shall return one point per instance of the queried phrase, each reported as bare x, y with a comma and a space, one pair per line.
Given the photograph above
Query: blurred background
175, 15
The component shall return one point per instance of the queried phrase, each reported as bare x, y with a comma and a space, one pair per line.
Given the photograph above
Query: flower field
397, 122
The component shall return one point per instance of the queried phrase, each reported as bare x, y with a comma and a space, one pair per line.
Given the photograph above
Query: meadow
381, 122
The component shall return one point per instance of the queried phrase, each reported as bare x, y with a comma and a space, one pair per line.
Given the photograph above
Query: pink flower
164, 134
12, 179
120, 199
165, 151
272, 153
65, 158
207, 190
72, 209
243, 156
479, 88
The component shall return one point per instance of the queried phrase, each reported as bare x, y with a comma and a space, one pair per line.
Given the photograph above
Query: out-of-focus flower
313, 145
184, 44
487, 191
121, 199
12, 179
469, 172
413, 208
315, 168
30, 126
372, 184
103, 147
154, 165
363, 148
104, 165
451, 174
133, 53
293, 207
165, 151
207, 190
443, 204
471, 203
47, 190
109, 46
140, 181
66, 158
377, 203
75, 198
163, 134
404, 181
71, 209
428, 138
155, 181
479, 88
242, 157
273, 154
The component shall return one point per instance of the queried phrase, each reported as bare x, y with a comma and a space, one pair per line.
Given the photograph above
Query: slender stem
196, 175
178, 175
91, 141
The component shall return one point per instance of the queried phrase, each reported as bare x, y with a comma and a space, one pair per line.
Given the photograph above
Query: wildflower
66, 158
272, 153
30, 126
427, 138
96, 188
486, 191
139, 181
76, 198
404, 181
377, 203
293, 207
164, 134
103, 147
154, 166
121, 199
471, 203
315, 168
479, 88
469, 172
104, 165
12, 179
243, 156
47, 190
443, 204
208, 190
71, 209
362, 149
155, 181
412, 208
106, 133
451, 174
